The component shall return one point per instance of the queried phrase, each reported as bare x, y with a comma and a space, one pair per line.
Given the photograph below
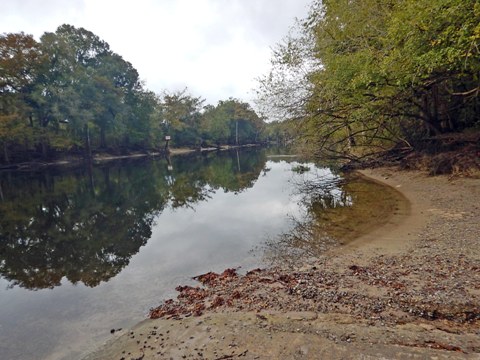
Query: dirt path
410, 289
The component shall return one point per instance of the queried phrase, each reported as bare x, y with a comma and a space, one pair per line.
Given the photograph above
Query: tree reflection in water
86, 224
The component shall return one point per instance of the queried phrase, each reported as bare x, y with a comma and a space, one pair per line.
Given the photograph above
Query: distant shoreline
75, 160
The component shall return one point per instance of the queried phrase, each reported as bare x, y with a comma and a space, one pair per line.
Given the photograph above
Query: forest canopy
354, 78
361, 77
70, 84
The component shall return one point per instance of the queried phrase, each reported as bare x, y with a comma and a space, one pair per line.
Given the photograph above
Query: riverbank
409, 289
78, 160
101, 157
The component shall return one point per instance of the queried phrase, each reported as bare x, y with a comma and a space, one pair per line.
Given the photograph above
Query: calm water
82, 252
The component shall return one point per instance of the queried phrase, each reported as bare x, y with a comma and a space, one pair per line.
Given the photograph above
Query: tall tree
181, 116
20, 65
231, 121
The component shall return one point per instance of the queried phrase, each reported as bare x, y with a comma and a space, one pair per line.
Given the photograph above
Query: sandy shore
409, 289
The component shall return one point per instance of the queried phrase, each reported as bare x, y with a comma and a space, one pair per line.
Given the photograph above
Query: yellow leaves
20, 60
476, 9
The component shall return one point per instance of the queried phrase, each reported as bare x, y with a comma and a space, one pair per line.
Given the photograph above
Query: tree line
70, 87
361, 77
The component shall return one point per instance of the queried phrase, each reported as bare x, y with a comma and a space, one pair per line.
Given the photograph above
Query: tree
84, 74
284, 91
53, 89
215, 125
142, 126
435, 62
61, 94
231, 121
20, 64
180, 116
113, 93
386, 73
70, 82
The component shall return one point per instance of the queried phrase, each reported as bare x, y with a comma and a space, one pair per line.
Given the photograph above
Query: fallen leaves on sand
384, 292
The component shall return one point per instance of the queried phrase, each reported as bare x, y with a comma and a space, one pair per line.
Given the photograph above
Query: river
84, 251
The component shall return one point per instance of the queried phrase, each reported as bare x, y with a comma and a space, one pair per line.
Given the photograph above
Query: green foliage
52, 89
232, 122
180, 116
386, 73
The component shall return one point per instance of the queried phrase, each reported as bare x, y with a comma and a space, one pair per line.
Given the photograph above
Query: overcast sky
216, 48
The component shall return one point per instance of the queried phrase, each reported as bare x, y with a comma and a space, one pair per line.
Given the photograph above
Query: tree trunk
351, 139
435, 103
431, 126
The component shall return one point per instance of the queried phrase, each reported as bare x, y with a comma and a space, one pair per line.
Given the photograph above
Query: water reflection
335, 211
86, 224
203, 214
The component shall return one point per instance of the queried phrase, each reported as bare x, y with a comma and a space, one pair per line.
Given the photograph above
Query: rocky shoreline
410, 289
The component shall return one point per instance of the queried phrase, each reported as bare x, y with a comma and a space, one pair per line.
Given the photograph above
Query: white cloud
215, 47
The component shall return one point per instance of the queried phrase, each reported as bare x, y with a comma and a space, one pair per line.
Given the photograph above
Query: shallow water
85, 251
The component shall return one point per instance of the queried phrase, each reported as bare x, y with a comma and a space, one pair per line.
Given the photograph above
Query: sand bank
409, 289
